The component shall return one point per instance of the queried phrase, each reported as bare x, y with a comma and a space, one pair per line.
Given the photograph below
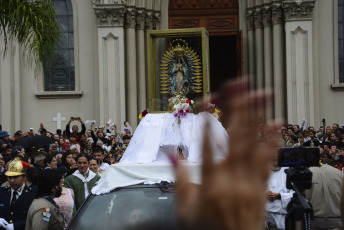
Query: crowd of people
330, 139
66, 145
78, 159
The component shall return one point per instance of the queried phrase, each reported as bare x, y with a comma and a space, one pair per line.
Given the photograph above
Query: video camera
299, 178
299, 160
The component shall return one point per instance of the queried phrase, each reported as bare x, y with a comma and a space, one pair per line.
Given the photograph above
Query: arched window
341, 39
60, 76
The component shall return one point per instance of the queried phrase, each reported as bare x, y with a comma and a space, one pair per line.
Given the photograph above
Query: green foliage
33, 24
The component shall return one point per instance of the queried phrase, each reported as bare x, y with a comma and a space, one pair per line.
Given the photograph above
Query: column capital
140, 18
250, 19
149, 20
109, 16
277, 12
258, 17
156, 19
267, 15
130, 17
298, 10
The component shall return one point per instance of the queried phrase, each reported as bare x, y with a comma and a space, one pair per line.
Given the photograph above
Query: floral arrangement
143, 114
182, 109
180, 106
215, 111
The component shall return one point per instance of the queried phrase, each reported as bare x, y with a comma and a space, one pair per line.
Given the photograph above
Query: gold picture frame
156, 46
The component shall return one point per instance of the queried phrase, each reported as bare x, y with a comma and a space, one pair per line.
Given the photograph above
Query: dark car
132, 207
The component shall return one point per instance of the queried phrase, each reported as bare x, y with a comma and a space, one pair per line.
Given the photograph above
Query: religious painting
177, 66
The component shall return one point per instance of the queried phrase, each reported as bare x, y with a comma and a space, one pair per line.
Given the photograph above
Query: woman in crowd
50, 162
66, 202
110, 158
94, 165
73, 167
60, 144
67, 161
333, 140
327, 135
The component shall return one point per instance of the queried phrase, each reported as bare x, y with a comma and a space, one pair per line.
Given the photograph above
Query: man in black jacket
16, 199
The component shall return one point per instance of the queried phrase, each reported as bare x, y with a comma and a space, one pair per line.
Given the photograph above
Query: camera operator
325, 195
278, 197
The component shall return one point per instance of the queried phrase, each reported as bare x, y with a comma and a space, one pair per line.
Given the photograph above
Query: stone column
156, 13
259, 45
250, 45
141, 60
130, 66
278, 64
299, 60
111, 85
268, 57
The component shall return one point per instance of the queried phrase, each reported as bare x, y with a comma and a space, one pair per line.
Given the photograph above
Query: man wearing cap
4, 137
16, 199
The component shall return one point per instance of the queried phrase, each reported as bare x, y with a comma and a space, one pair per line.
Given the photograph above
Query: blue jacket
17, 213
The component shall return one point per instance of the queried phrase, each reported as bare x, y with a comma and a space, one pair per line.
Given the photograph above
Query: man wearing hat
16, 199
4, 137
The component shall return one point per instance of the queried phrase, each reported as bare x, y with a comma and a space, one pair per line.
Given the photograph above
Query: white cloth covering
126, 174
278, 208
103, 167
160, 134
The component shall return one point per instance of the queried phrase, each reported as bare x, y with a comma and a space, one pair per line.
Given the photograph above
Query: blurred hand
233, 193
271, 196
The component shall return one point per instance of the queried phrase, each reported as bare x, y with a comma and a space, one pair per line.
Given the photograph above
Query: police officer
44, 213
16, 199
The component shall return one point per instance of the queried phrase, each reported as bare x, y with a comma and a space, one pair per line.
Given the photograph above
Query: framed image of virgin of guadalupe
177, 67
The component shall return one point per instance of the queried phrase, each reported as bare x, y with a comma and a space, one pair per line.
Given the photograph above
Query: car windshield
126, 208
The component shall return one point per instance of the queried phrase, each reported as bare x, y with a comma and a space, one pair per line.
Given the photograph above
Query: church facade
294, 47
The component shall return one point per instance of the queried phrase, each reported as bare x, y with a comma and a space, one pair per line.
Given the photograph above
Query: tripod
299, 212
